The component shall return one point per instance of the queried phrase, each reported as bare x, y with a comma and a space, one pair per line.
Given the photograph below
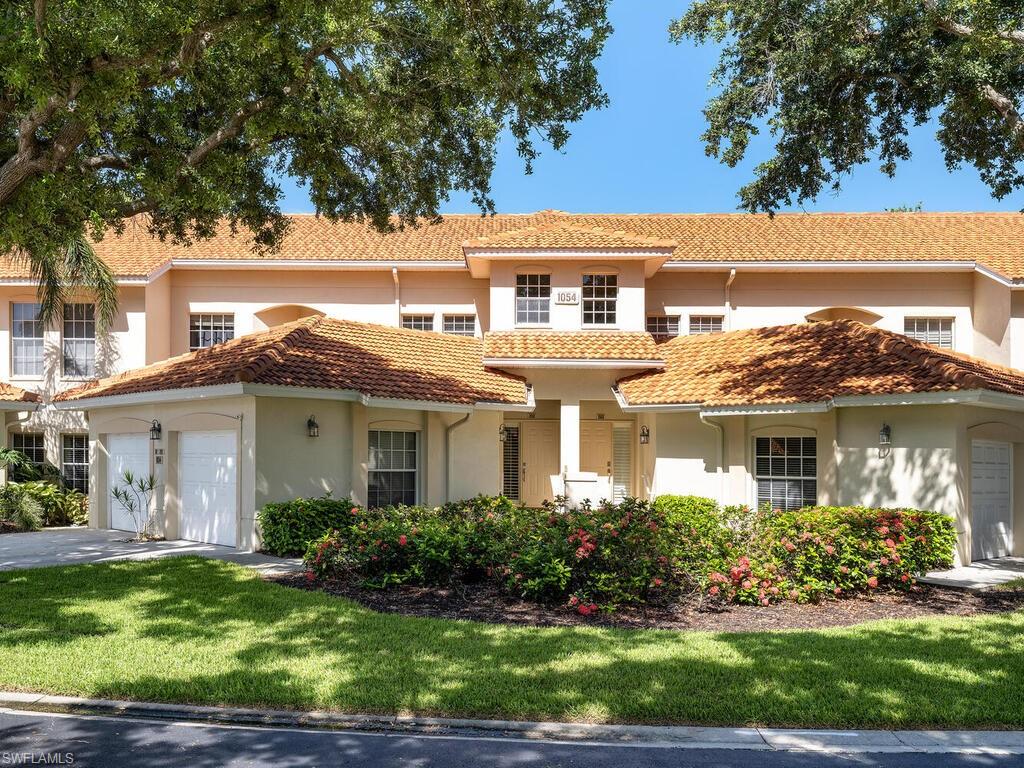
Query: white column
570, 437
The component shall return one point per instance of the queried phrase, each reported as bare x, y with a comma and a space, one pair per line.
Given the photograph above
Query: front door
606, 447
991, 507
539, 447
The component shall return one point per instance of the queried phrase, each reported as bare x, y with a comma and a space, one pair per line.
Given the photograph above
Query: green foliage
635, 551
19, 508
135, 497
286, 528
185, 110
839, 83
58, 505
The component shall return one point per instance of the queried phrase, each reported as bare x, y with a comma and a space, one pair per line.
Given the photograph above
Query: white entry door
126, 452
991, 508
208, 485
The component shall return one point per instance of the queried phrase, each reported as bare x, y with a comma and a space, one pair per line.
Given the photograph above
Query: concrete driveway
68, 546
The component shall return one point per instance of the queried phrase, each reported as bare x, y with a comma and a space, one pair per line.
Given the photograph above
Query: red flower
872, 582
657, 582
402, 540
355, 510
310, 576
714, 590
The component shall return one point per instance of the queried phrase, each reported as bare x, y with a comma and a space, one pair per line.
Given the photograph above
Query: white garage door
991, 516
208, 473
126, 452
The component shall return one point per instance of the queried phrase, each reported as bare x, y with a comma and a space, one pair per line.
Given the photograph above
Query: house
806, 358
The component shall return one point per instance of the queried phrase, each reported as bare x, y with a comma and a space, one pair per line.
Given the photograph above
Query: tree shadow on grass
186, 629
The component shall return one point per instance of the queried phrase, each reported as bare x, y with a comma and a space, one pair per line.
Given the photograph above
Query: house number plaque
567, 297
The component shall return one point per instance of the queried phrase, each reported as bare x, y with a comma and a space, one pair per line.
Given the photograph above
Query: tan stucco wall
568, 276
235, 413
761, 299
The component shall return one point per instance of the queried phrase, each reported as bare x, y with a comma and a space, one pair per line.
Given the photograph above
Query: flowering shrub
596, 558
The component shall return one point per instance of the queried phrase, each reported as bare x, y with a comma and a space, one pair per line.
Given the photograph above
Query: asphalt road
33, 739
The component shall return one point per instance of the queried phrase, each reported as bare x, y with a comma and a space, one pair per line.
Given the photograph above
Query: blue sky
643, 152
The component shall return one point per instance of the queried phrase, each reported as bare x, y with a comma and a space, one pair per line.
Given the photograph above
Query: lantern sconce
645, 435
502, 433
155, 430
884, 441
312, 428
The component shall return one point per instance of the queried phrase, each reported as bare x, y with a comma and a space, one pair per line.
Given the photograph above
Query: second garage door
991, 511
208, 478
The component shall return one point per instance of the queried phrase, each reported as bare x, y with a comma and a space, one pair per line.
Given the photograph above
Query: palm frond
76, 266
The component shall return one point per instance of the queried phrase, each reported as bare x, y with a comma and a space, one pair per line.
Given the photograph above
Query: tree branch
39, 11
97, 162
1005, 107
962, 30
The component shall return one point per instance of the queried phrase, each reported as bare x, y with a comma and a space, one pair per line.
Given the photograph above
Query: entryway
606, 448
991, 499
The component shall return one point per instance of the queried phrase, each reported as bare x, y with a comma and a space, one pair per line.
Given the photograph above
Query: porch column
569, 424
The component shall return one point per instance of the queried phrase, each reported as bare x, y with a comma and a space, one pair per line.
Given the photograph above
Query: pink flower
573, 600
872, 582
402, 540
764, 601
830, 549
747, 584
657, 582
355, 510
310, 576
714, 590
884, 561
838, 590
844, 569
905, 578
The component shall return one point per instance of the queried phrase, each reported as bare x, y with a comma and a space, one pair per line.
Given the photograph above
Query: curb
649, 736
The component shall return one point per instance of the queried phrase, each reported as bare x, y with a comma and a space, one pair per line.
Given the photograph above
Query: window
392, 468
705, 323
533, 299
460, 325
937, 331
510, 463
79, 340
207, 330
418, 322
33, 446
26, 340
786, 471
75, 462
663, 327
600, 295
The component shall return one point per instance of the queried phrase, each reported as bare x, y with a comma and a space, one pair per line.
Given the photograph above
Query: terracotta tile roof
808, 363
12, 394
321, 352
571, 345
990, 239
568, 235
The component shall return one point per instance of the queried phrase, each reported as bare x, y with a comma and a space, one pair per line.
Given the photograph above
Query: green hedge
287, 527
635, 551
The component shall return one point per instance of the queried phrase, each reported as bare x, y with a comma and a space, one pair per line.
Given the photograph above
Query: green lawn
192, 630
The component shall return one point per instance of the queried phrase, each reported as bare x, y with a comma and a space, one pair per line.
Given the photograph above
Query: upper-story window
205, 330
600, 299
705, 323
937, 331
533, 299
418, 322
663, 327
79, 340
460, 325
26, 340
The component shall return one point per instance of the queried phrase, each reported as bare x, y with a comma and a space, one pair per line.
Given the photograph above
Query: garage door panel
991, 500
125, 452
208, 481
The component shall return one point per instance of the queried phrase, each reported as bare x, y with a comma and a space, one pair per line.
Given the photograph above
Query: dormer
567, 276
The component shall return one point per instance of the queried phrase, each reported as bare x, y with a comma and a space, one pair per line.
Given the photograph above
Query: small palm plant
19, 509
135, 498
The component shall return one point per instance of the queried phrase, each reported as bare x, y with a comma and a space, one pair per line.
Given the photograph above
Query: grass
193, 630
1010, 586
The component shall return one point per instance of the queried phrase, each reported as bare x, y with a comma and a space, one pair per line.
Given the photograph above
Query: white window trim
431, 315
417, 473
64, 463
952, 329
544, 272
446, 316
211, 313
699, 315
602, 272
782, 430
63, 355
26, 376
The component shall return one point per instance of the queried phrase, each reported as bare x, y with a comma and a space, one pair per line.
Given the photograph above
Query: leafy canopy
839, 81
183, 110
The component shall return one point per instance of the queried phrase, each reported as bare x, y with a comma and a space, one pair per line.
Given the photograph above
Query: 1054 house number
567, 297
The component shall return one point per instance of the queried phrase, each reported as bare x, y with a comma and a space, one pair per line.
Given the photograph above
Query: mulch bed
485, 603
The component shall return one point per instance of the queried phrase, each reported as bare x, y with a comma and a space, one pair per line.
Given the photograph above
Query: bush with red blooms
596, 558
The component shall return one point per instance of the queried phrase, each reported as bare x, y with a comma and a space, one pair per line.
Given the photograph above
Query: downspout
448, 453
728, 300
398, 297
721, 453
